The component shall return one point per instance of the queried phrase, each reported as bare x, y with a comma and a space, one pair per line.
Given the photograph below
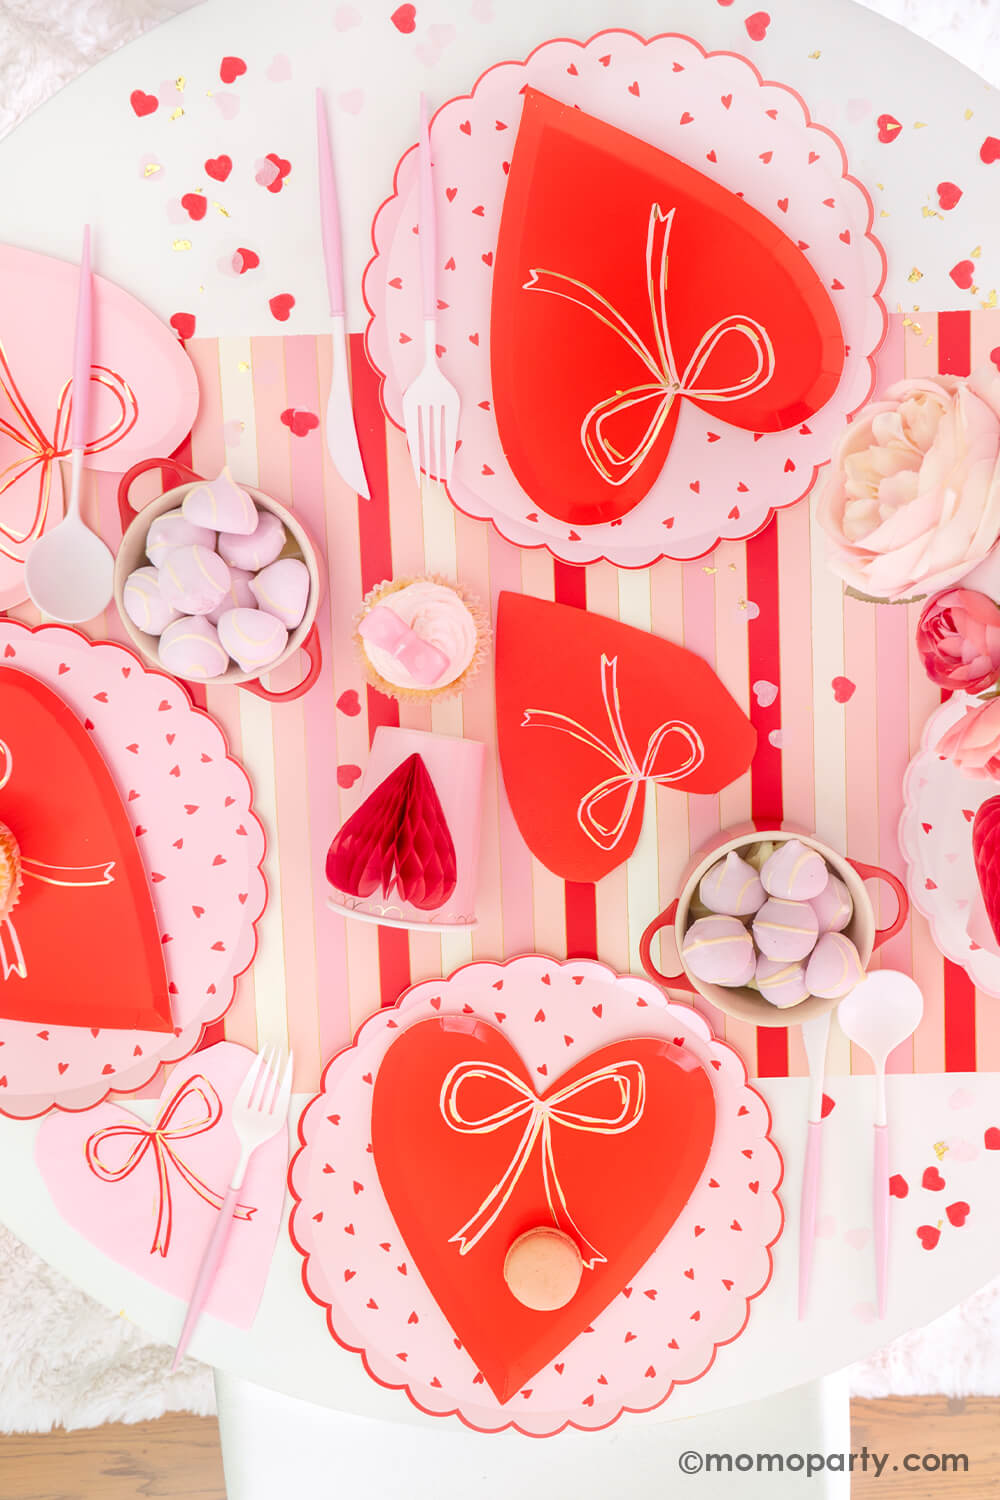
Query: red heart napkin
81, 947
624, 282
588, 712
467, 1164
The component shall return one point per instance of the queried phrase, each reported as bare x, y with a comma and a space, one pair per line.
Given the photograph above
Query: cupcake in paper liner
421, 638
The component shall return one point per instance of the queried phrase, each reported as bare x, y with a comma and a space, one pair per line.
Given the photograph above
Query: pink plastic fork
259, 1112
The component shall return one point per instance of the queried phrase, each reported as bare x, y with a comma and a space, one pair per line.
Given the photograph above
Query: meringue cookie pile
771, 918
217, 589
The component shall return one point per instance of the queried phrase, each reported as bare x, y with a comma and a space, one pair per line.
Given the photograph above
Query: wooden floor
177, 1458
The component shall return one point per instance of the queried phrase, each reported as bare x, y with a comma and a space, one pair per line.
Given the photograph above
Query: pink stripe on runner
892, 649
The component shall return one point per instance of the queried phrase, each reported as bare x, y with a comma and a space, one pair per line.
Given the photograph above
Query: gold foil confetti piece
709, 570
884, 213
991, 300
814, 55
916, 274
176, 114
182, 244
180, 83
223, 211
920, 124
968, 114
940, 1149
907, 322
151, 168
742, 604
732, 567
928, 340
880, 186
931, 213
916, 307
973, 290
977, 252
243, 366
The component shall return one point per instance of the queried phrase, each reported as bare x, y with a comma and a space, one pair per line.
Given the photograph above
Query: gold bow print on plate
12, 960
666, 383
631, 772
20, 425
161, 1139
539, 1116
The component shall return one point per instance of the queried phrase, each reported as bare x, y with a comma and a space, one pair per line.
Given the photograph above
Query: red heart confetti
143, 104
195, 204
347, 775
843, 689
928, 1236
231, 68
757, 24
957, 1213
219, 167
991, 1139
962, 274
404, 19
989, 150
888, 127
300, 423
281, 306
349, 704
948, 194
183, 325
932, 1180
898, 1186
245, 260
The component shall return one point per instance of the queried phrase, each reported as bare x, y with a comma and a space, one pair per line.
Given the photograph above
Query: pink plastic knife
341, 430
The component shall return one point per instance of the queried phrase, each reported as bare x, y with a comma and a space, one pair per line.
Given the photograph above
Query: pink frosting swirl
438, 615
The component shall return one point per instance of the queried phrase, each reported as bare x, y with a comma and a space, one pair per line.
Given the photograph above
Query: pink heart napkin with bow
147, 1194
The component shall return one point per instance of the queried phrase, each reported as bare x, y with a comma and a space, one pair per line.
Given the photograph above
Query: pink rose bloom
912, 497
958, 638
974, 742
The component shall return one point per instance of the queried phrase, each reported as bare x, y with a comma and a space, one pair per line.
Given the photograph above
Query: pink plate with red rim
715, 113
202, 846
690, 1297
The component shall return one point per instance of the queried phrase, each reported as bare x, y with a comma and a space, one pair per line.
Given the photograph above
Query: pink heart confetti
345, 17
265, 172
962, 1150
857, 109
765, 692
228, 105
777, 739
438, 38
857, 1238
176, 212
352, 102
826, 1227
750, 609
279, 69
232, 433
961, 1099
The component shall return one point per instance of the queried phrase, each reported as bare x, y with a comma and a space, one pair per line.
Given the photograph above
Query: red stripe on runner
959, 1020
766, 801
580, 898
375, 541
955, 358
954, 343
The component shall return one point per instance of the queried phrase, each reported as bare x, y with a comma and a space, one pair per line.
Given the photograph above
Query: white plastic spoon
69, 572
877, 1016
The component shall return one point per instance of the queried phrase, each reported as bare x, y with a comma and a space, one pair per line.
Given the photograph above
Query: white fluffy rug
63, 1359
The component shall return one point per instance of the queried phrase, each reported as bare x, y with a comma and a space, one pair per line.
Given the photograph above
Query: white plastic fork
431, 404
259, 1112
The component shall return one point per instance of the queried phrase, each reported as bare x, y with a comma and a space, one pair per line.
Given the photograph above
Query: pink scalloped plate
714, 112
693, 1294
935, 835
202, 846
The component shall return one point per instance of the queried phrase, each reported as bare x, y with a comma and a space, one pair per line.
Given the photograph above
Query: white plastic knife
341, 431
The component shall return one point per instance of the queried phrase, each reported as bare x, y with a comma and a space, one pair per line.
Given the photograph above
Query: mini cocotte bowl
132, 555
746, 1004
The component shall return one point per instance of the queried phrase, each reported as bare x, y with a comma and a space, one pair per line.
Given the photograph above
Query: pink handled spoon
69, 571
879, 1015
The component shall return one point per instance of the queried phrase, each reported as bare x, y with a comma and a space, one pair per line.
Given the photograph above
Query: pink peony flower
973, 743
912, 497
958, 638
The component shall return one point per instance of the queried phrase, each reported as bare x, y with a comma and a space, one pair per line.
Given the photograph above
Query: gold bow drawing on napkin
632, 772
160, 1139
539, 1115
667, 384
41, 452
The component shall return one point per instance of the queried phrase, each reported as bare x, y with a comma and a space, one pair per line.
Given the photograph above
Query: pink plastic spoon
69, 572
878, 1015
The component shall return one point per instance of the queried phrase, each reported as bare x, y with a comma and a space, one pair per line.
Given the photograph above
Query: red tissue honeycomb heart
398, 839
434, 1176
986, 853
